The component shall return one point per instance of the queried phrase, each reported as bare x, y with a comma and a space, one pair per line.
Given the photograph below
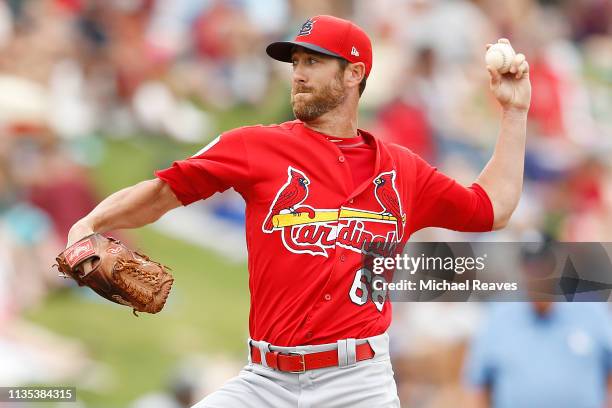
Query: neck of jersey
359, 154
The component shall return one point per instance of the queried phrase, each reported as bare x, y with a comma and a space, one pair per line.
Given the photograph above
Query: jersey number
362, 284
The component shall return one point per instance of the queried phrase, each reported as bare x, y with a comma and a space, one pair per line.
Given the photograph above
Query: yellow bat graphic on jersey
288, 220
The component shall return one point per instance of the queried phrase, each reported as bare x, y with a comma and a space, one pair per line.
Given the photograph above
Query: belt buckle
302, 360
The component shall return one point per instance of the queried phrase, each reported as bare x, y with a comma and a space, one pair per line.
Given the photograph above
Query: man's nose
299, 76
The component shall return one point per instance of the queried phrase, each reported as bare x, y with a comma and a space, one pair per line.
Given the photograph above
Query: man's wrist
87, 224
514, 111
79, 230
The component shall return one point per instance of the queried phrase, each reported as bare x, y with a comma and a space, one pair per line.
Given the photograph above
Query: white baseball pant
366, 384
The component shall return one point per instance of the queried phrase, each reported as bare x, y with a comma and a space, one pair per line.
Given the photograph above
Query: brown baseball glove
117, 273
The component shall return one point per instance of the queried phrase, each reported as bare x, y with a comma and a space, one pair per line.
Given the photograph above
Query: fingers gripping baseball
519, 66
495, 77
509, 75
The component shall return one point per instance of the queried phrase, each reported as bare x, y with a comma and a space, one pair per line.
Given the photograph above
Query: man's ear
354, 73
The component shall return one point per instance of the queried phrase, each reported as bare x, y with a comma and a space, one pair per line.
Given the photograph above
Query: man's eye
312, 60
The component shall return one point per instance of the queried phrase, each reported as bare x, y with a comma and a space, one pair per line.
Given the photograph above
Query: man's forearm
502, 177
131, 207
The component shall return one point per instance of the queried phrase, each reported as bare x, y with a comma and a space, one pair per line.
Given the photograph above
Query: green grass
207, 311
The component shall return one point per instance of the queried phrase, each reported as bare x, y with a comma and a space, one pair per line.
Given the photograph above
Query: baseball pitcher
317, 189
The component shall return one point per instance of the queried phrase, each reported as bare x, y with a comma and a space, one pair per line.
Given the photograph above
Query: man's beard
319, 102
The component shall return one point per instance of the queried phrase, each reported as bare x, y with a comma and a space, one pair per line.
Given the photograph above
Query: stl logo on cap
307, 27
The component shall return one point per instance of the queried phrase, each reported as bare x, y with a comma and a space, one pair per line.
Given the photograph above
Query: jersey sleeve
442, 202
222, 164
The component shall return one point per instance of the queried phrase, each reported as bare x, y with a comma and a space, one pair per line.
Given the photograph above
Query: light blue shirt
559, 361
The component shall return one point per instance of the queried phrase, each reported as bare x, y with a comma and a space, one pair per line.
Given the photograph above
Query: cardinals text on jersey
308, 230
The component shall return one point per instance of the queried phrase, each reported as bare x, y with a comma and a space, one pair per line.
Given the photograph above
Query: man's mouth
301, 91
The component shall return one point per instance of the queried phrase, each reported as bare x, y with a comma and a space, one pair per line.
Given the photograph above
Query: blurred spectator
406, 125
408, 119
180, 395
191, 379
428, 348
6, 25
542, 354
64, 191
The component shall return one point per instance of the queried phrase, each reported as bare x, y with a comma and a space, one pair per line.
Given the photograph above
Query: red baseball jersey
306, 223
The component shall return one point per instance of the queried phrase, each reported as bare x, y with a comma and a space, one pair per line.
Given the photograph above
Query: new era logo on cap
354, 52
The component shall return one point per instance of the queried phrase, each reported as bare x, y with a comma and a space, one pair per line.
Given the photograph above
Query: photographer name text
442, 285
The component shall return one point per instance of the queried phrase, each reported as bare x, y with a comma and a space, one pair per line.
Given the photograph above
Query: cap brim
281, 50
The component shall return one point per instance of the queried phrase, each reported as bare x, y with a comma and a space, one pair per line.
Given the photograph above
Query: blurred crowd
76, 73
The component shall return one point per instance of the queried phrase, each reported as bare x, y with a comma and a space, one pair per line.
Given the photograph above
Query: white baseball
499, 56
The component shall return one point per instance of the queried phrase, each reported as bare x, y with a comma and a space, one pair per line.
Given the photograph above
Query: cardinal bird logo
292, 194
387, 196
